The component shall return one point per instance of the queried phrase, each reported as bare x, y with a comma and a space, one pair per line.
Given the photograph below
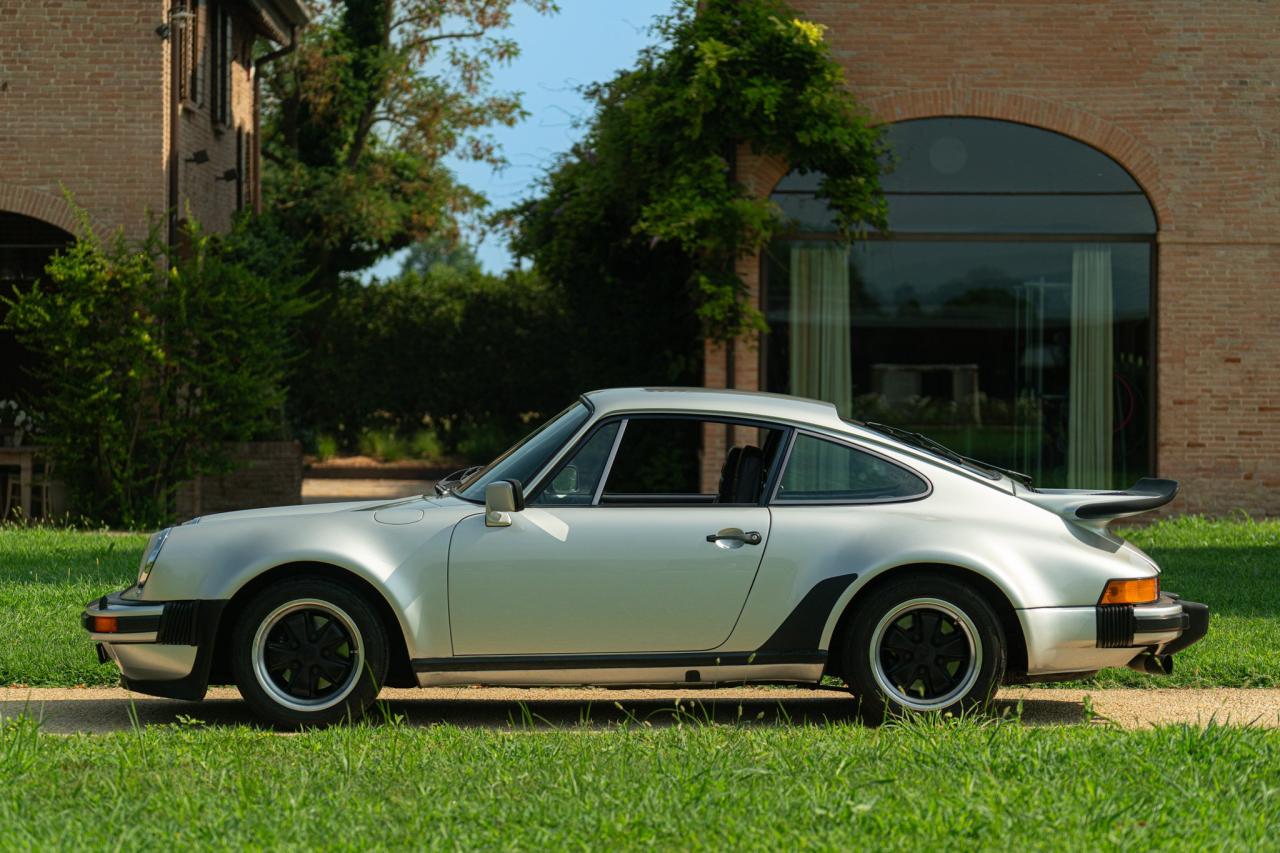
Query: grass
46, 576
925, 784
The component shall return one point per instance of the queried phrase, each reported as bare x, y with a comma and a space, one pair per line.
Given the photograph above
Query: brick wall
269, 474
1186, 96
84, 100
82, 105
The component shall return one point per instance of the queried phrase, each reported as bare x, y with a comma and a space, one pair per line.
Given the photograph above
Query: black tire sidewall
372, 635
874, 704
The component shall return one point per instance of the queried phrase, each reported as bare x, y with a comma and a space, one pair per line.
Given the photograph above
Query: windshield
529, 456
936, 448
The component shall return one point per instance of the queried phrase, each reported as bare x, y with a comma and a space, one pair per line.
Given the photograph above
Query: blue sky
588, 41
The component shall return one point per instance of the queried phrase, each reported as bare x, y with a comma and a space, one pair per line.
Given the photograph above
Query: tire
926, 643
309, 652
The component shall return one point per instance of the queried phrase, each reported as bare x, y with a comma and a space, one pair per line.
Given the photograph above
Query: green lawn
46, 576
921, 785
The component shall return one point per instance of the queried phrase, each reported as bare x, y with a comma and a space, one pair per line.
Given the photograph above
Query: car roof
759, 405
719, 401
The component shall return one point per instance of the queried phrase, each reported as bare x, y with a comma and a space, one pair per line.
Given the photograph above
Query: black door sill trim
515, 663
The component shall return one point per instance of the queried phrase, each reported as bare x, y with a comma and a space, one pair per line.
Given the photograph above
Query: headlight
151, 554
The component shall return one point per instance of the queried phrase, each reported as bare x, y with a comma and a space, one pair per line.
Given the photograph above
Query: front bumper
163, 648
1086, 639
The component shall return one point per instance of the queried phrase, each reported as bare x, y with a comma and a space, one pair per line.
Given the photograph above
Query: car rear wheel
309, 652
921, 644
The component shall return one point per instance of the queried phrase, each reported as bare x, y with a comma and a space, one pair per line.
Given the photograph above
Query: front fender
405, 563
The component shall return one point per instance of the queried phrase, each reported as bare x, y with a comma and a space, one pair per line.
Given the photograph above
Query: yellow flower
809, 31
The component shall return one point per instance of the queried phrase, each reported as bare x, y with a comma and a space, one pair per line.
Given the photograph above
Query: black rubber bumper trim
195, 684
1118, 625
516, 663
127, 624
1198, 625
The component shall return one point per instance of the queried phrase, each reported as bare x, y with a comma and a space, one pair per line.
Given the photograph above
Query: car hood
272, 512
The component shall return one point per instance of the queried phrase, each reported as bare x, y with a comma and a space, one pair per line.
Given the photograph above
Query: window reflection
1005, 313
1032, 356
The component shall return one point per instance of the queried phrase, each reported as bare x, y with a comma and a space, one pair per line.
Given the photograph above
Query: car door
613, 555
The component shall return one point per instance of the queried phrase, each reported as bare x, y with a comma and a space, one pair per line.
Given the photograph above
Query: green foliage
644, 221
383, 445
326, 447
149, 362
451, 345
426, 445
359, 120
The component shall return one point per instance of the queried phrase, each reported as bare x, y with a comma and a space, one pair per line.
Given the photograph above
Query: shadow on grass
65, 716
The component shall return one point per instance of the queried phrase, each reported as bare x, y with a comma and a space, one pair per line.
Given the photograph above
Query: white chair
39, 493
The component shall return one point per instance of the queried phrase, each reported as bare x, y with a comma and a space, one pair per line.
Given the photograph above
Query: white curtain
820, 359
1089, 436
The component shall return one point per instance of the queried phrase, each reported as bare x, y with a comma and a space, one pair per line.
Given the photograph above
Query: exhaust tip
1152, 664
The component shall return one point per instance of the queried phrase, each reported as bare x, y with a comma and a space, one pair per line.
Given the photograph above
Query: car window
685, 460
819, 470
524, 460
574, 484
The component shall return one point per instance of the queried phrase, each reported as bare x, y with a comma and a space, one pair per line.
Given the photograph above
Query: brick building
1082, 270
86, 105
144, 111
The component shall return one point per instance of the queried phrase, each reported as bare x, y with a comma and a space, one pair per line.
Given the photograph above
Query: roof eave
277, 19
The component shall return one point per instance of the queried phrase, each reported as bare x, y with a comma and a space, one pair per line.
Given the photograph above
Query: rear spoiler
1102, 506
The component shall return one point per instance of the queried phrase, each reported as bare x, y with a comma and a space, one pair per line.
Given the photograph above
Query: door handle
750, 537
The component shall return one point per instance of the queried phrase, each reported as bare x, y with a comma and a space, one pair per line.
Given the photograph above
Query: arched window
1006, 312
26, 244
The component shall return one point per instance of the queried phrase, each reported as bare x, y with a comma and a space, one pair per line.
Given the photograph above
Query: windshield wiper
925, 443
449, 483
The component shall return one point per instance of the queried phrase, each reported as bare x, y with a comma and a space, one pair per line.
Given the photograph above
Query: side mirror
500, 500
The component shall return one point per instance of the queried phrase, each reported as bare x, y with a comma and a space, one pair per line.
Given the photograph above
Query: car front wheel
309, 652
921, 644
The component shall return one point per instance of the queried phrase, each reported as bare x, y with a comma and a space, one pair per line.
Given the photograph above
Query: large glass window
1007, 312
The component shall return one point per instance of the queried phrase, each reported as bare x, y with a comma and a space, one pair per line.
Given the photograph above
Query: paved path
316, 490
66, 710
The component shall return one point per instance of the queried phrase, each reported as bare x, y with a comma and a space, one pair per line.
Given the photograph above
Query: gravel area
66, 710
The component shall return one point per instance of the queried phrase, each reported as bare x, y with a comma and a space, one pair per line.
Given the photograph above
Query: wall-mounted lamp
229, 175
176, 19
198, 157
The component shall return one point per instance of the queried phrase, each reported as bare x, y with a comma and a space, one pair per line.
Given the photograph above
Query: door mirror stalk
500, 500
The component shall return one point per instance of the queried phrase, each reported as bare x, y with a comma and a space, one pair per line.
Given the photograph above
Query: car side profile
659, 537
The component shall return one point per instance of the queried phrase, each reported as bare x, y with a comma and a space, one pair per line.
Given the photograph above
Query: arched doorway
1007, 311
26, 244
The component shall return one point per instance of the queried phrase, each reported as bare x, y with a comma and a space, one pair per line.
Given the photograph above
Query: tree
643, 221
150, 362
360, 118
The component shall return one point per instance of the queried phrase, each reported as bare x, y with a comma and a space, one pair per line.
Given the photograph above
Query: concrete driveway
67, 710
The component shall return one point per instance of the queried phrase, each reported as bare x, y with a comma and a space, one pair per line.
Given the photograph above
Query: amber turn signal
1131, 591
106, 624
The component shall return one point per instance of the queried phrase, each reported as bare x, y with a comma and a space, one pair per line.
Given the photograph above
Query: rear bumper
1086, 639
163, 648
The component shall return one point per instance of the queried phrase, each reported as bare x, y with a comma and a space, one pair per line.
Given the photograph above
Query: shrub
456, 346
426, 445
149, 361
383, 445
326, 447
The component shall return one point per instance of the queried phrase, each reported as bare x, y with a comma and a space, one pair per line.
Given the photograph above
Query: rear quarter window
826, 471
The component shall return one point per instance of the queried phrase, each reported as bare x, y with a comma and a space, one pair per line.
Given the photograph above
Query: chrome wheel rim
308, 655
925, 654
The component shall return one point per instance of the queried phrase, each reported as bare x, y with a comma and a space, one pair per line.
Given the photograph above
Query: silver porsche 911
659, 537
